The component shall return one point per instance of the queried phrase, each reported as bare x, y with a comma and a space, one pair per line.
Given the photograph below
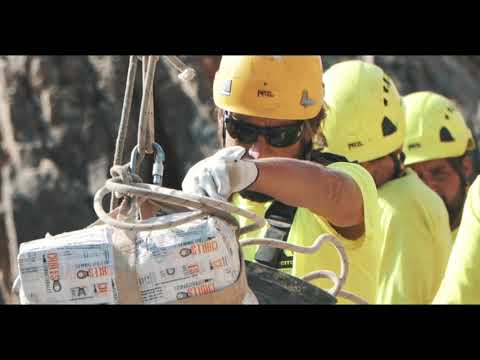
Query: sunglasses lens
240, 131
284, 136
281, 136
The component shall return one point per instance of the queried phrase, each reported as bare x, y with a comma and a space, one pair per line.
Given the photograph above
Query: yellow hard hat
274, 87
435, 128
365, 118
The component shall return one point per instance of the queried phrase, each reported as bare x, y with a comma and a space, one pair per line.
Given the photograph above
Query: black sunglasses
278, 136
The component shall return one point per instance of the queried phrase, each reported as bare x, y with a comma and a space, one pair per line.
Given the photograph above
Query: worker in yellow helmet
437, 146
366, 124
461, 284
270, 109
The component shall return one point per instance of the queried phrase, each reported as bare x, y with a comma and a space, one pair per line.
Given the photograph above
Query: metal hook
135, 159
157, 171
158, 167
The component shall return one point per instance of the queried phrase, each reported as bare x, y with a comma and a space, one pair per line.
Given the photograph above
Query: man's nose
260, 149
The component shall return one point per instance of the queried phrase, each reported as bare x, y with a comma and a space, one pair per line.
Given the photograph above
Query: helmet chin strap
224, 134
307, 151
397, 165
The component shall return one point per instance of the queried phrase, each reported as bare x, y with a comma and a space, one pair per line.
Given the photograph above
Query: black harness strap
280, 219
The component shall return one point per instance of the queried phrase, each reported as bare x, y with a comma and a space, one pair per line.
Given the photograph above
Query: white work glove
221, 175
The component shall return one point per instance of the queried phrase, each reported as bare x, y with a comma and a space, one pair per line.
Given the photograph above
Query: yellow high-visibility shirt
362, 253
257, 208
461, 283
416, 241
454, 234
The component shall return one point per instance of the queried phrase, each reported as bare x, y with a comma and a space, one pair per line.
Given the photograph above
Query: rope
149, 136
125, 117
144, 125
205, 206
126, 183
186, 73
123, 173
338, 281
124, 120
352, 297
325, 274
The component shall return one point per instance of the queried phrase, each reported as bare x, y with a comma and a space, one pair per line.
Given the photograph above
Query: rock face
65, 112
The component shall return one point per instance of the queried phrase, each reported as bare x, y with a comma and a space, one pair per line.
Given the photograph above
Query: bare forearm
328, 193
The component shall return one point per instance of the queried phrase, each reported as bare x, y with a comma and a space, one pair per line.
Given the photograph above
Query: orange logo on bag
53, 268
205, 248
203, 289
98, 271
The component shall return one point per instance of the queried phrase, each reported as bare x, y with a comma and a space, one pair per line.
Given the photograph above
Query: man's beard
455, 208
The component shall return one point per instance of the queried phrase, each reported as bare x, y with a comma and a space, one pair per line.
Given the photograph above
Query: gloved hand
221, 175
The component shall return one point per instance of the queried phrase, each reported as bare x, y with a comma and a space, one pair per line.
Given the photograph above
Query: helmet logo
445, 135
355, 145
305, 101
264, 93
227, 88
388, 127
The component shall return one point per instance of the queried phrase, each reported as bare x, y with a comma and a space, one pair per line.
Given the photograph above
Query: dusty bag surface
70, 268
198, 262
188, 261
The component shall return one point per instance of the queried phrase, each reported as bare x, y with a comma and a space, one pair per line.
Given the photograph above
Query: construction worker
461, 284
437, 146
269, 110
366, 124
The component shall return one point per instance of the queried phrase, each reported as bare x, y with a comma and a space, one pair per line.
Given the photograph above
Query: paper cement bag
198, 262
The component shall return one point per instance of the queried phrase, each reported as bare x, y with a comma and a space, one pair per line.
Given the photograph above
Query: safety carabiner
135, 160
157, 171
158, 167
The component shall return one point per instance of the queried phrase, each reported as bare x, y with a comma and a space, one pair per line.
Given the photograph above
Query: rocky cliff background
59, 117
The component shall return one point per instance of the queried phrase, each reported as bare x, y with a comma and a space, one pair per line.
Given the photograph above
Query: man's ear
467, 166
